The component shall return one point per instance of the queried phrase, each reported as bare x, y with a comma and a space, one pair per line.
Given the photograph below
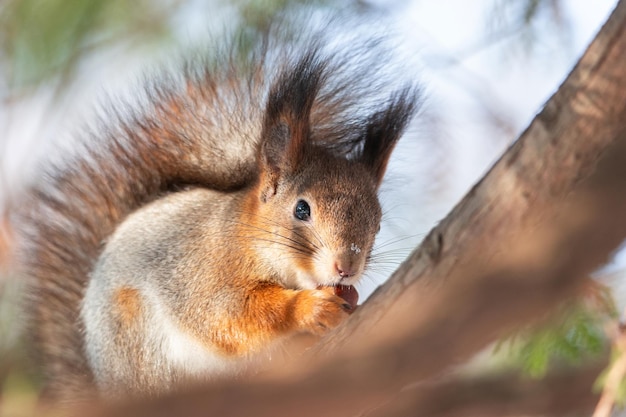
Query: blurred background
487, 67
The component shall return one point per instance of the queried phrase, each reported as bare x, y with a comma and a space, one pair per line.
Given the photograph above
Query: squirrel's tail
199, 126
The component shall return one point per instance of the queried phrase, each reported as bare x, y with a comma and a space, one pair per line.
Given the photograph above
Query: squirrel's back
197, 126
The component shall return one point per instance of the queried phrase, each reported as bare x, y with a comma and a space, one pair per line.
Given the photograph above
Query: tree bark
528, 235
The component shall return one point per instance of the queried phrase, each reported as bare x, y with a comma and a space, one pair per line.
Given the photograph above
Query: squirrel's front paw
317, 311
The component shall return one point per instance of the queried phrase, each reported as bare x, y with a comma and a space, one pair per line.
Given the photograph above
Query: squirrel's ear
287, 119
384, 128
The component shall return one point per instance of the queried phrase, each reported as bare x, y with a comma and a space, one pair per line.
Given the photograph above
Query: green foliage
572, 334
46, 40
43, 38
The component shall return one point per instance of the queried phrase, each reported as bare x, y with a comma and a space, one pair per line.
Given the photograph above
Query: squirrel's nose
345, 269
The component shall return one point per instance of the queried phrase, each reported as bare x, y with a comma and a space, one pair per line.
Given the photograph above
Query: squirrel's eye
302, 211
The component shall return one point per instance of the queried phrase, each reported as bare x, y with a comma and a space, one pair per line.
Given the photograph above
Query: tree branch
559, 394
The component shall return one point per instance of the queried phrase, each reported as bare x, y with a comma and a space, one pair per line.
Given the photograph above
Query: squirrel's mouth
347, 292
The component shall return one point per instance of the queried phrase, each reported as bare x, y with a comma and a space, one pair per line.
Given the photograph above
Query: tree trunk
527, 236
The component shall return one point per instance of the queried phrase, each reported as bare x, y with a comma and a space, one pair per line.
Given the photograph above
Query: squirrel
196, 232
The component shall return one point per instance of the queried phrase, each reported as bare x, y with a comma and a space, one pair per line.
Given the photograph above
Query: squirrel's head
316, 212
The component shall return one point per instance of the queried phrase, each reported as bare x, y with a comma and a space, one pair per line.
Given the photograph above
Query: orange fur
127, 304
271, 312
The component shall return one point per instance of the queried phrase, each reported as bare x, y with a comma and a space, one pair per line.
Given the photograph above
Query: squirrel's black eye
302, 211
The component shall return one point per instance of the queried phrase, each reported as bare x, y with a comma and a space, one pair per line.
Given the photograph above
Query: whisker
298, 249
396, 240
388, 258
269, 232
368, 279
301, 248
272, 222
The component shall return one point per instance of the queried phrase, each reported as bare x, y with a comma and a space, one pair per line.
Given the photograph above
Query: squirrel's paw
318, 311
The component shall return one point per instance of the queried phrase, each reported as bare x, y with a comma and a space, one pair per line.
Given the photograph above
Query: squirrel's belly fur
187, 237
133, 282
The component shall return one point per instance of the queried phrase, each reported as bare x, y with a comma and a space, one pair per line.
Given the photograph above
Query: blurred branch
559, 394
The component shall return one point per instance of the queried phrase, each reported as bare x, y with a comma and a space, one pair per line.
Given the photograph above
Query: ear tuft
286, 127
384, 129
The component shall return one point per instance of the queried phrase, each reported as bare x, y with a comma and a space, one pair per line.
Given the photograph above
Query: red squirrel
192, 234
